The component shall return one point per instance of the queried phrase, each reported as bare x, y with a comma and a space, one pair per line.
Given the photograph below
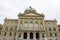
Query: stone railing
15, 38
32, 29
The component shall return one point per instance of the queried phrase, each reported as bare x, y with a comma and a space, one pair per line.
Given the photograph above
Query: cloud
11, 8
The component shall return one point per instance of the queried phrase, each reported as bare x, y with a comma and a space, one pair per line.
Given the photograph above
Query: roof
50, 20
10, 19
58, 25
30, 9
36, 15
31, 12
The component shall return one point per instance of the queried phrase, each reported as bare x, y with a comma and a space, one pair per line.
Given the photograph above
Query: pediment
31, 14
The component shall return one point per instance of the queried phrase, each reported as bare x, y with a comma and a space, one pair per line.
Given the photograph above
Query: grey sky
11, 8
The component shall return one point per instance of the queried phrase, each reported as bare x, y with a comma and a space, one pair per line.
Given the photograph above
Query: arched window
25, 35
21, 24
31, 24
41, 26
35, 24
37, 35
26, 24
31, 35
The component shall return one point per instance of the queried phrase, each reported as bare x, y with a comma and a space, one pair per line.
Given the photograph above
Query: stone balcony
32, 29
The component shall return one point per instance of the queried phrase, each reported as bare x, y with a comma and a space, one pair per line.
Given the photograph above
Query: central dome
30, 9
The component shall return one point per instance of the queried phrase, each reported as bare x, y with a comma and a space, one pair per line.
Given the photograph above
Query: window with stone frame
21, 24
56, 34
54, 29
5, 34
59, 29
31, 24
0, 28
0, 32
36, 24
51, 34
50, 29
25, 24
43, 35
15, 27
6, 28
41, 26
11, 27
10, 34
19, 34
15, 34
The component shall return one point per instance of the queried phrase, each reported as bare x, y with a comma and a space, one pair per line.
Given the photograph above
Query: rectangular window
42, 35
1, 28
49, 29
55, 34
11, 28
19, 34
54, 29
51, 34
5, 34
59, 30
10, 33
0, 32
6, 28
15, 34
21, 24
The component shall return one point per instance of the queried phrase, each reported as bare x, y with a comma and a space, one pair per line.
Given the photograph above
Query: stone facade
30, 25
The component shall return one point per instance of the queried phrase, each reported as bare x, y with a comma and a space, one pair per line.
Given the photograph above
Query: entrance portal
25, 35
31, 35
37, 35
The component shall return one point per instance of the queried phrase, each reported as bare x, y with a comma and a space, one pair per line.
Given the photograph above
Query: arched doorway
25, 35
31, 35
37, 35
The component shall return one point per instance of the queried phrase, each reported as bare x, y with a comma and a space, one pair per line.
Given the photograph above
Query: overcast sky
11, 8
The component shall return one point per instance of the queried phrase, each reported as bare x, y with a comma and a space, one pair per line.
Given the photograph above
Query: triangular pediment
31, 14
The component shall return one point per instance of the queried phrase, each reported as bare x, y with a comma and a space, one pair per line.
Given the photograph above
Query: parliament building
30, 25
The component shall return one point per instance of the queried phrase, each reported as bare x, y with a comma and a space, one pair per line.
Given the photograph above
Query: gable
31, 14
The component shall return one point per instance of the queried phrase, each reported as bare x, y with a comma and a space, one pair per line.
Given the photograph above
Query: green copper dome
30, 9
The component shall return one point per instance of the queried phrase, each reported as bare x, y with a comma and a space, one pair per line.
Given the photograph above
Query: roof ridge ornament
30, 7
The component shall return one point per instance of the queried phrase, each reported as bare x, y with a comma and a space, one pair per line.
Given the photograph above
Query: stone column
22, 35
28, 35
43, 25
34, 35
